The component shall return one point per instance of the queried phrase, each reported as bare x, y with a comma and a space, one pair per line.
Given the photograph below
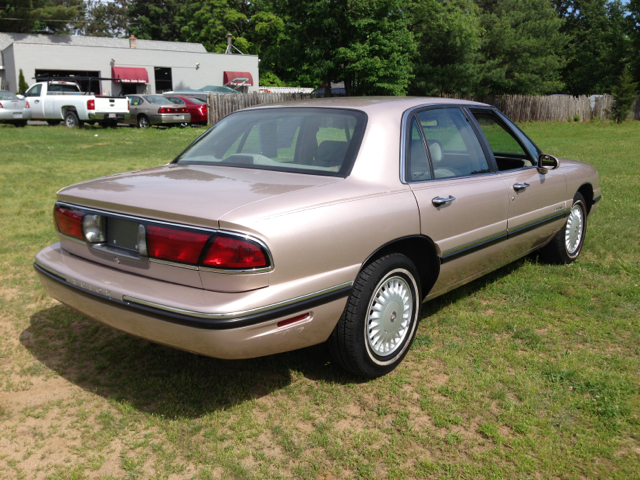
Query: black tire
143, 121
349, 343
53, 123
557, 251
71, 120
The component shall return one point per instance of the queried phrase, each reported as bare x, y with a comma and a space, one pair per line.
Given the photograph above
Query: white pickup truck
57, 101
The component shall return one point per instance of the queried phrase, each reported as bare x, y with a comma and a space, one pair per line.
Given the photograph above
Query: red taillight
172, 110
28, 106
227, 252
91, 104
1, 105
69, 222
175, 245
128, 105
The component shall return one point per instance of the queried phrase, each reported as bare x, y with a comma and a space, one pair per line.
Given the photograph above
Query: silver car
147, 110
13, 109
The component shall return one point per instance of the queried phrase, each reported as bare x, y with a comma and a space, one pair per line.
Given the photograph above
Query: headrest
436, 150
331, 153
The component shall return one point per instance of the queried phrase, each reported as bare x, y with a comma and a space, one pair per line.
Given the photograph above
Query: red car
195, 106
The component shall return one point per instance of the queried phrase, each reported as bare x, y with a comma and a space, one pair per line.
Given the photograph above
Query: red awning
237, 79
130, 74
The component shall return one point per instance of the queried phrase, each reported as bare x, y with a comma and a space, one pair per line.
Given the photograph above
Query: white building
132, 65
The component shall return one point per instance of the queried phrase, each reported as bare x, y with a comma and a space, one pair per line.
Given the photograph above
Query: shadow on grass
162, 380
176, 384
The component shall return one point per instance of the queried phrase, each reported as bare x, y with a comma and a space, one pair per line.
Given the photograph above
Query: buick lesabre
327, 220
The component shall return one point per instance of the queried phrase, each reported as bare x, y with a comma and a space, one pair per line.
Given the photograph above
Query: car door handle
520, 186
37, 101
439, 201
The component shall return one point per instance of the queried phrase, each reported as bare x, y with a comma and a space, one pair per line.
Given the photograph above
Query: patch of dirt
488, 312
9, 293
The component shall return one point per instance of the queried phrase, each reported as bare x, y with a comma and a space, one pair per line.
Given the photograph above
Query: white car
64, 101
13, 109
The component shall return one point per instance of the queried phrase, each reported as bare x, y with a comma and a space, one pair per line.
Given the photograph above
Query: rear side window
453, 147
322, 141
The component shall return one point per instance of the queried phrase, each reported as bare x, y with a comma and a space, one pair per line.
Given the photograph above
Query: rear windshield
175, 100
196, 100
62, 88
320, 141
7, 96
157, 100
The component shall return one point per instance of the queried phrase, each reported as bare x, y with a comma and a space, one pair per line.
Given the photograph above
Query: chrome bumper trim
208, 321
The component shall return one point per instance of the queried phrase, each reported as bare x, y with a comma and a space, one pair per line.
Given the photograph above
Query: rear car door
536, 200
134, 108
463, 202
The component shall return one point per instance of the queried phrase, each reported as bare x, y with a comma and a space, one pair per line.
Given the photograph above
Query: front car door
36, 101
536, 200
463, 202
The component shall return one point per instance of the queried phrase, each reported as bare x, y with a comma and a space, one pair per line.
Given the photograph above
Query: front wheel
380, 319
566, 245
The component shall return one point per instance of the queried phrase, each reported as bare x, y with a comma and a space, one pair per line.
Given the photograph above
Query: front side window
322, 141
34, 91
454, 149
506, 149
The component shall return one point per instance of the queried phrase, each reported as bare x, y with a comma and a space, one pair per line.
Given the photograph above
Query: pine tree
624, 96
23, 86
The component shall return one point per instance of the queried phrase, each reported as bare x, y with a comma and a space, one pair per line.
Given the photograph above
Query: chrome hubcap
574, 228
390, 314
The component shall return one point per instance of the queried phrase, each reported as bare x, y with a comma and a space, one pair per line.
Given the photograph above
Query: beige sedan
319, 221
148, 110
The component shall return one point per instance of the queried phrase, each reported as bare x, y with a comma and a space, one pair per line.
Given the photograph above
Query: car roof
373, 105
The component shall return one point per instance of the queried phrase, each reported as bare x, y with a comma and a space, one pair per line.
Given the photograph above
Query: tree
599, 47
633, 27
106, 19
40, 16
157, 20
522, 47
449, 36
23, 86
364, 43
625, 93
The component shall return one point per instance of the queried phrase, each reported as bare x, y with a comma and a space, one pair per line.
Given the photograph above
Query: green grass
530, 372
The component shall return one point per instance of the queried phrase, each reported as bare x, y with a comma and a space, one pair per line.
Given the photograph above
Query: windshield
321, 141
7, 96
157, 100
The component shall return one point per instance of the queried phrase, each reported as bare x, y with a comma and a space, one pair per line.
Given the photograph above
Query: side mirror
547, 162
20, 95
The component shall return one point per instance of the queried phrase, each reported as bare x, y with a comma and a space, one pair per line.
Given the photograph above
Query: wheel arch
421, 250
586, 189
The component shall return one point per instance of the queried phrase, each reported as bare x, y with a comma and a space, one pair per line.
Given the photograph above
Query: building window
163, 80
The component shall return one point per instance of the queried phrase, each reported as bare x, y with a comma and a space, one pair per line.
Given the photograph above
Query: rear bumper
106, 116
169, 118
199, 329
7, 115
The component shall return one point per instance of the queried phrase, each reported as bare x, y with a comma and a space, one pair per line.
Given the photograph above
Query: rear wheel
71, 120
143, 122
380, 319
566, 245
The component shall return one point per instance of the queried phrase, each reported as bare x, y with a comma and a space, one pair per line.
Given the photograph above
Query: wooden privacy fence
520, 108
219, 106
